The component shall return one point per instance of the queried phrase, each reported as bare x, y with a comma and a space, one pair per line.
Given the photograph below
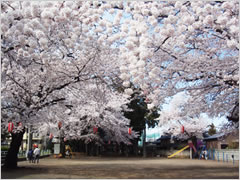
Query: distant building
223, 141
35, 139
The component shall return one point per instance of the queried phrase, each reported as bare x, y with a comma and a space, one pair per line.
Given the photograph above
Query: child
30, 155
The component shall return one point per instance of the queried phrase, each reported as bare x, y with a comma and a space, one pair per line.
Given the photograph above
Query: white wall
227, 154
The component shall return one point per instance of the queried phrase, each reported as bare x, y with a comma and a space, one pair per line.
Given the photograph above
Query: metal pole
29, 134
190, 153
213, 154
227, 157
218, 156
223, 156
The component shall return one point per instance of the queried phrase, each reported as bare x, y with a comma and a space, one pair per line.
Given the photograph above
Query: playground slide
174, 154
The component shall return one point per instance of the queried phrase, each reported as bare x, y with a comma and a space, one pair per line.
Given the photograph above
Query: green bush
4, 148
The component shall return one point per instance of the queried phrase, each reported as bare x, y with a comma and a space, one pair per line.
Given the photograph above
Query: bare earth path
123, 168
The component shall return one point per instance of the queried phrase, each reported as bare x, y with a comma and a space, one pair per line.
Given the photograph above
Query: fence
3, 156
225, 155
23, 154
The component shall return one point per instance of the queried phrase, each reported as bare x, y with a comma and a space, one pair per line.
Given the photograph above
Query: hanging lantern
129, 131
95, 129
50, 136
182, 129
109, 142
59, 125
10, 126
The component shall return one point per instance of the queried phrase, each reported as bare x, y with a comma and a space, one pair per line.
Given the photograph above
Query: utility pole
144, 142
29, 138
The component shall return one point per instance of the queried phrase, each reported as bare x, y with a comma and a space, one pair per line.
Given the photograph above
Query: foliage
139, 115
55, 54
4, 148
212, 129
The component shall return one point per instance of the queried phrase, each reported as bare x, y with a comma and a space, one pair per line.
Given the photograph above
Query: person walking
30, 155
36, 154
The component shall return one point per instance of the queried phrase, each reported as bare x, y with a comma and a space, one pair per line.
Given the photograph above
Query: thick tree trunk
135, 147
62, 143
12, 155
194, 141
62, 148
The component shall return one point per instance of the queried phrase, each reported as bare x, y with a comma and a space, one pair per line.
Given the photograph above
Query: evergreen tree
212, 129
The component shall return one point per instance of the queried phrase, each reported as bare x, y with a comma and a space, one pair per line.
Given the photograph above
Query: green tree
140, 116
212, 129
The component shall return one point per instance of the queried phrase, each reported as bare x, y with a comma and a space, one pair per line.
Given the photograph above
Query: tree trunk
135, 146
12, 155
62, 143
144, 143
62, 147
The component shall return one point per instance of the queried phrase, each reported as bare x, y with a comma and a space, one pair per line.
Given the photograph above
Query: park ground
123, 168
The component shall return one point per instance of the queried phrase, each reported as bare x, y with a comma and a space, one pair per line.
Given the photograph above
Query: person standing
30, 155
36, 154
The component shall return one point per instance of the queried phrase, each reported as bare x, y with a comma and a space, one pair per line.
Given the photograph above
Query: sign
56, 148
55, 140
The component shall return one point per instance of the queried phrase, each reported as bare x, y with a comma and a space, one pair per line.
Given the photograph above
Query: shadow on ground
118, 168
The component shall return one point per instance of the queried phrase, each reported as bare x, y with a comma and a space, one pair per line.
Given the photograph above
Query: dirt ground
123, 168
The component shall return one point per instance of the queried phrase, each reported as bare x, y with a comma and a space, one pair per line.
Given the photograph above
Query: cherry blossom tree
47, 47
172, 119
90, 106
171, 47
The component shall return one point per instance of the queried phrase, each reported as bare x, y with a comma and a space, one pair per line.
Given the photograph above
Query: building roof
215, 136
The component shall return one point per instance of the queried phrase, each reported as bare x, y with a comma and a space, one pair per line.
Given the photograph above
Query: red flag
10, 127
129, 131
